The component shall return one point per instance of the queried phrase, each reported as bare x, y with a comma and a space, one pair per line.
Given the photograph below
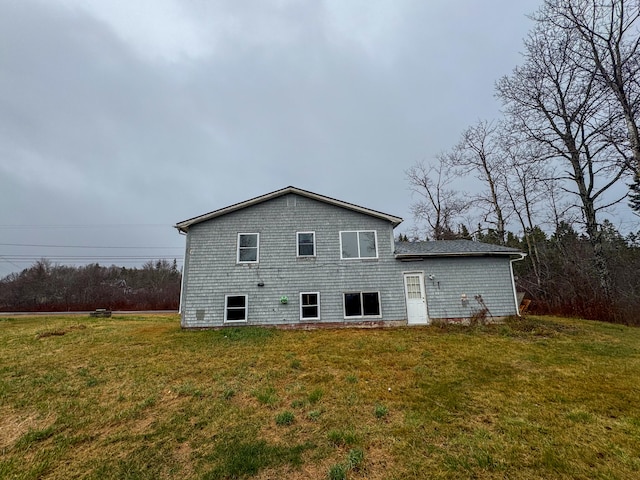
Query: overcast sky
119, 118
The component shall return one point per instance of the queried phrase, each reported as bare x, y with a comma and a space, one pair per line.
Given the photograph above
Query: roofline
184, 225
417, 256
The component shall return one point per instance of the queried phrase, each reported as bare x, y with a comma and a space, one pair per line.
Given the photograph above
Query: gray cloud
132, 117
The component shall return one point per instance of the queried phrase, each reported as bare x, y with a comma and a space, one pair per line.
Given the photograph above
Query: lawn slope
137, 397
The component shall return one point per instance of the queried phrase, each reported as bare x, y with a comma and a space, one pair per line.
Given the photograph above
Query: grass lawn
136, 397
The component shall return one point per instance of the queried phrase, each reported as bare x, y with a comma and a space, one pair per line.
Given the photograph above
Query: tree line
565, 151
48, 287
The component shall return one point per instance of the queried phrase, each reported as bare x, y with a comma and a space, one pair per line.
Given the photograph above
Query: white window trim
344, 305
359, 257
298, 245
318, 305
257, 260
246, 309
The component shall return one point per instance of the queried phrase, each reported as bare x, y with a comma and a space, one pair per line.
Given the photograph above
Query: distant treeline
48, 287
559, 275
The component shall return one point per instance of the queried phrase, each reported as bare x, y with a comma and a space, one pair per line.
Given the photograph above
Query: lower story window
235, 308
309, 306
362, 304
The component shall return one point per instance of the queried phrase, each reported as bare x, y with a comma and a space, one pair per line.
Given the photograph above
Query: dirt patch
60, 331
183, 455
13, 425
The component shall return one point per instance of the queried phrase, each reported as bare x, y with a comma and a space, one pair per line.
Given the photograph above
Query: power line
23, 258
87, 225
83, 246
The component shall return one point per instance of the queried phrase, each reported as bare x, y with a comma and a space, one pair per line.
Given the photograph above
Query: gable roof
184, 225
451, 248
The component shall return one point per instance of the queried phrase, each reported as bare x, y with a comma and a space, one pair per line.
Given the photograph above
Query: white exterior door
416, 299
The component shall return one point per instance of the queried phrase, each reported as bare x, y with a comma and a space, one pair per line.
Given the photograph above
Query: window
362, 304
235, 308
359, 244
248, 247
306, 244
309, 306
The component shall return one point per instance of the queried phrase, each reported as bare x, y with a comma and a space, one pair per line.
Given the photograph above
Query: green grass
137, 397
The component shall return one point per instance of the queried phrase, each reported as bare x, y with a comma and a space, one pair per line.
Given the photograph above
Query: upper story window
248, 247
358, 244
306, 244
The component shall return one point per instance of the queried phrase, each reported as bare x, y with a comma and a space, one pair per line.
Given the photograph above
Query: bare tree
524, 187
438, 205
608, 43
479, 153
562, 108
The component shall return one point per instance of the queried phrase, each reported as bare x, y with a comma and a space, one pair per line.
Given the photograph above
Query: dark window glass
248, 247
248, 254
236, 308
236, 314
305, 244
249, 240
309, 299
237, 301
309, 305
352, 306
370, 304
310, 312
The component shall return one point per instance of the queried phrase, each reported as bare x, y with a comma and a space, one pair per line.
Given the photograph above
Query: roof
184, 225
451, 248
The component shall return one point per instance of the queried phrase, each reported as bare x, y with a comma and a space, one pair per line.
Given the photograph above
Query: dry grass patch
137, 397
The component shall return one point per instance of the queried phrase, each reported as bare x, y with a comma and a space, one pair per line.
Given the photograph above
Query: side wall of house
449, 281
211, 270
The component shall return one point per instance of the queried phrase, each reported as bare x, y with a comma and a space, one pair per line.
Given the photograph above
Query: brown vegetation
58, 288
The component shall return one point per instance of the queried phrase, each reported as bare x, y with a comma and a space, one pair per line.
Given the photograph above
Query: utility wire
104, 225
80, 246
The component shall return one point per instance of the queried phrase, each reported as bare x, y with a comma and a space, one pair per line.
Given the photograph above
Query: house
295, 258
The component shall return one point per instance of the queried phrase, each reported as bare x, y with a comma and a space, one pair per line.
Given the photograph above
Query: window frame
358, 232
245, 308
317, 305
257, 247
298, 244
362, 314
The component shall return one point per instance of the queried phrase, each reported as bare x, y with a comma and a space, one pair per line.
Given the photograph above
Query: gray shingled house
295, 258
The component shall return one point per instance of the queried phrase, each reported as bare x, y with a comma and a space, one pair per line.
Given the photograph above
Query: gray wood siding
489, 277
211, 271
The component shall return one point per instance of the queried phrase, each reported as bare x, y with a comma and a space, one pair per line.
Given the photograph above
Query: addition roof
450, 248
184, 225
